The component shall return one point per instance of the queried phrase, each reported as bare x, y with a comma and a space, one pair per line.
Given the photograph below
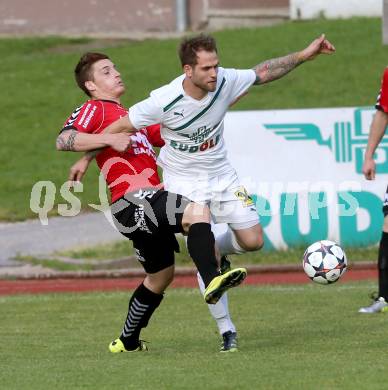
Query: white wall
331, 9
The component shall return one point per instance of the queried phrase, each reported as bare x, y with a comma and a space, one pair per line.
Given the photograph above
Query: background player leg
380, 303
383, 266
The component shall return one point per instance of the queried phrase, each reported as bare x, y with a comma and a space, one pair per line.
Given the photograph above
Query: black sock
200, 244
140, 309
383, 266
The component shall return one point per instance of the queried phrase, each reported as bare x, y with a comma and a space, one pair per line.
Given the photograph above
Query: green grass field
291, 337
90, 256
37, 75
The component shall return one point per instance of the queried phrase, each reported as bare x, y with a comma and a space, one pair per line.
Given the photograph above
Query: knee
260, 243
157, 286
159, 281
195, 213
167, 280
251, 242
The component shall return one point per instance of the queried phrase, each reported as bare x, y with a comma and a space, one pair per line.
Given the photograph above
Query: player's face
204, 74
107, 81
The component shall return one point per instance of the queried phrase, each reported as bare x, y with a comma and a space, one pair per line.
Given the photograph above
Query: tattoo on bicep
67, 144
275, 68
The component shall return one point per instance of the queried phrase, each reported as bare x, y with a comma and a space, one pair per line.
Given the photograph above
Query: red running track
37, 286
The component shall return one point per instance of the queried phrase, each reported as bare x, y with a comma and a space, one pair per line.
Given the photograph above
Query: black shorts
150, 219
385, 203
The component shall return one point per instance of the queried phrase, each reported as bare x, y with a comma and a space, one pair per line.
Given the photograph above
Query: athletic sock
227, 243
383, 266
140, 309
200, 244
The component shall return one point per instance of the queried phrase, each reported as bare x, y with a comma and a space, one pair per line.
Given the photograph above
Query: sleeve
145, 113
86, 119
154, 136
239, 81
382, 98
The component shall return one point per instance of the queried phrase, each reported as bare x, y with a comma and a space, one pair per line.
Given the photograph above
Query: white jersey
192, 129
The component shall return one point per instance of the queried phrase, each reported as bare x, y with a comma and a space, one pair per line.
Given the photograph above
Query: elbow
65, 140
59, 143
261, 75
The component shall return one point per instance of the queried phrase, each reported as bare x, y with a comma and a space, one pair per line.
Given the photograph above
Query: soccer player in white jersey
191, 111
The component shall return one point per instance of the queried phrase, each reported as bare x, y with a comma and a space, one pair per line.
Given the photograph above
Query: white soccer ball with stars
324, 262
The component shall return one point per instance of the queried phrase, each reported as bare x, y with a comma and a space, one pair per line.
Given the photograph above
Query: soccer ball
324, 262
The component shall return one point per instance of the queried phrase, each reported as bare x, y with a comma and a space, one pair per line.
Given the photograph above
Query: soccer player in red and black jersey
141, 209
376, 133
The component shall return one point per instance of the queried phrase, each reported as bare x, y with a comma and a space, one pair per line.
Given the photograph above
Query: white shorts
227, 199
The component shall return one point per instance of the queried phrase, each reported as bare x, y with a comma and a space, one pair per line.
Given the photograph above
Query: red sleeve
87, 118
153, 135
382, 98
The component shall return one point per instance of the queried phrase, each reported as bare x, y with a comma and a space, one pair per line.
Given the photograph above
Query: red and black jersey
127, 171
382, 98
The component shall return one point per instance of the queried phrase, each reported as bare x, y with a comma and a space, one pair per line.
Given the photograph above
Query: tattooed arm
276, 68
76, 141
66, 139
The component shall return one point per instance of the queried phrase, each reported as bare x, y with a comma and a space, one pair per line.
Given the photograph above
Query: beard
206, 87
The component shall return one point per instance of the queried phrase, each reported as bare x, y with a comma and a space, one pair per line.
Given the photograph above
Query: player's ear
90, 85
188, 70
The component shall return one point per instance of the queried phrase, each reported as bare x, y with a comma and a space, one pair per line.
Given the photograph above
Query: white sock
227, 242
219, 311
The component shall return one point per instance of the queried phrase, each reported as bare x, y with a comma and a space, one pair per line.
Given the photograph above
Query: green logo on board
348, 140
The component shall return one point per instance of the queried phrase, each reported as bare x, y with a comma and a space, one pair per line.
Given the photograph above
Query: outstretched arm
122, 125
376, 133
276, 68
